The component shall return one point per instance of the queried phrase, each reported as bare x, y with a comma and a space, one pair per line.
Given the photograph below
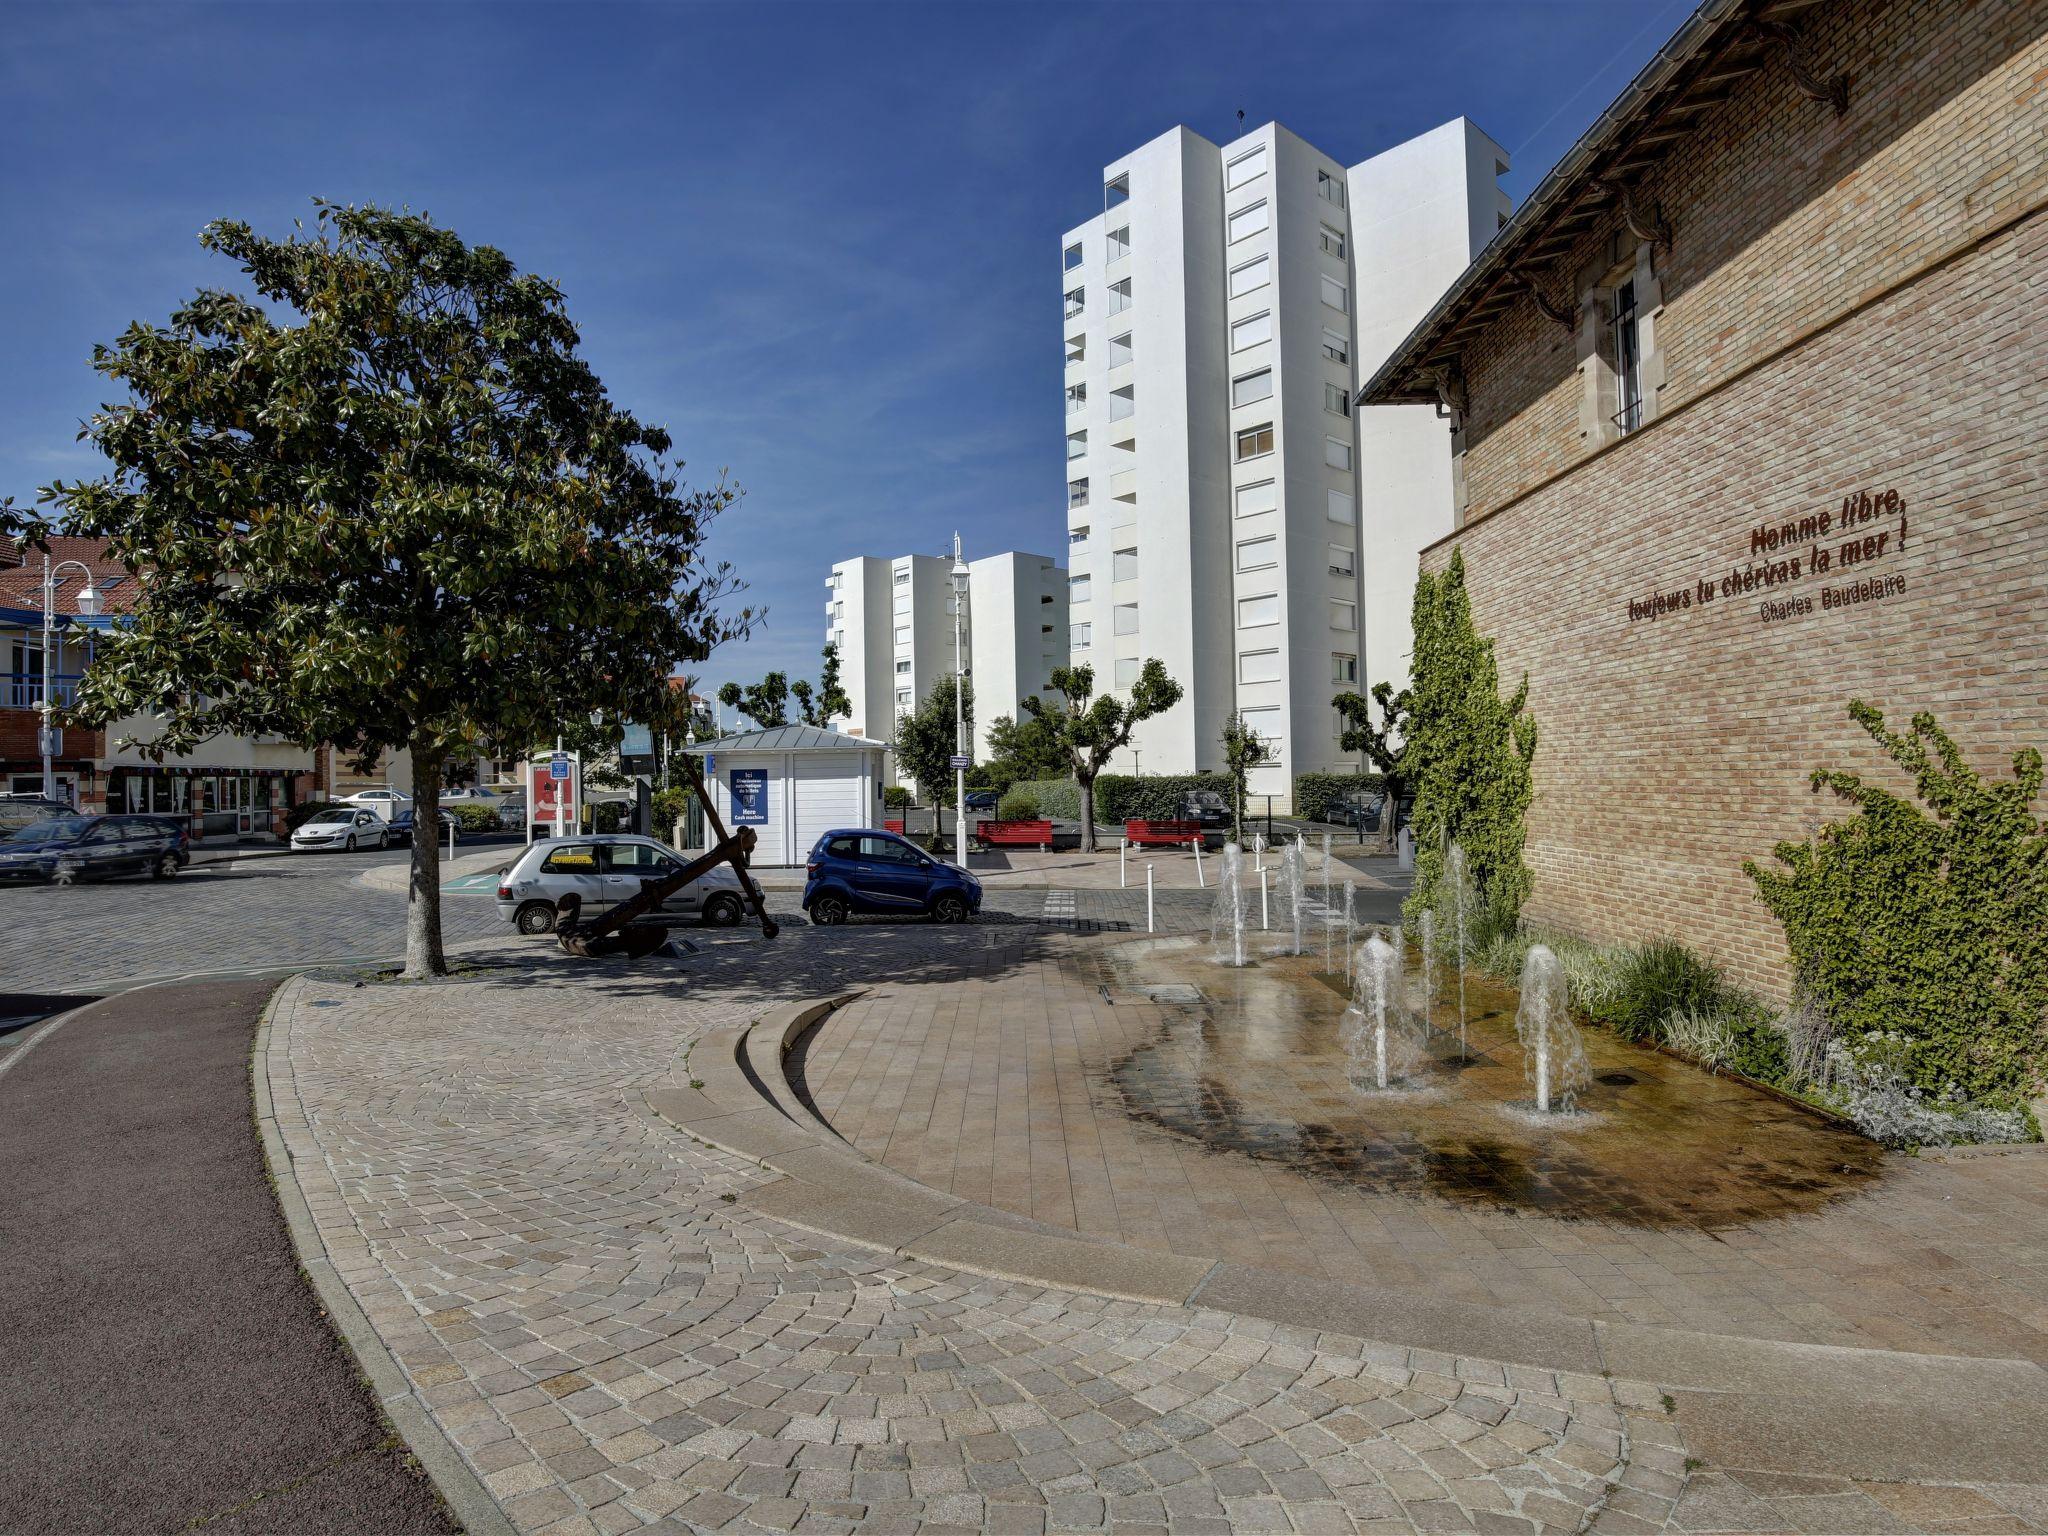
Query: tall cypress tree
1468, 754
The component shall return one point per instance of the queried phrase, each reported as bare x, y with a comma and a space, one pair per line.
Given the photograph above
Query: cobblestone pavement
615, 1346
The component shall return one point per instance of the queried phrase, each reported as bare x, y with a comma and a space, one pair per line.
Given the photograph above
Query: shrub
1924, 938
1323, 796
670, 806
1058, 798
896, 797
472, 819
1018, 805
1154, 796
604, 815
1874, 1092
1758, 1047
306, 810
1651, 982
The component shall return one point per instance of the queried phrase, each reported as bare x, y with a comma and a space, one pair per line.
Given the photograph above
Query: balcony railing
24, 690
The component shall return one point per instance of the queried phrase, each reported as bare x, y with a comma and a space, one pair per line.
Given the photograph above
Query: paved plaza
616, 1338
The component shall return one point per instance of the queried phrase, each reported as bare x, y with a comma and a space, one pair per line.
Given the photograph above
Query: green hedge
1121, 796
471, 818
1321, 796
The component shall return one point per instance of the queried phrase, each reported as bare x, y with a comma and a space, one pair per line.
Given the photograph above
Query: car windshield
57, 829
331, 816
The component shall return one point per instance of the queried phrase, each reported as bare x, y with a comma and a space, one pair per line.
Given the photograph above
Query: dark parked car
1363, 813
66, 849
857, 870
18, 811
982, 800
1205, 807
400, 830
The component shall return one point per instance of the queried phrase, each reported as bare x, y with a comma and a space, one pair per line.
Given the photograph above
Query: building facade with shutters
1223, 515
1750, 402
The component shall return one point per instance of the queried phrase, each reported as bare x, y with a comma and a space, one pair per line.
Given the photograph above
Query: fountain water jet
1294, 888
1227, 916
1460, 884
1428, 921
1553, 1055
1350, 925
1377, 1009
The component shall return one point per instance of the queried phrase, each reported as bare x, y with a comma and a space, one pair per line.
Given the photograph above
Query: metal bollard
1265, 918
1148, 895
1199, 881
1122, 848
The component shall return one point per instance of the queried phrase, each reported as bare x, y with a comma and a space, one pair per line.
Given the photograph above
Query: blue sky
819, 242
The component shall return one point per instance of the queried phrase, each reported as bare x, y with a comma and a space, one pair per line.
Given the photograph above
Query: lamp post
88, 605
959, 705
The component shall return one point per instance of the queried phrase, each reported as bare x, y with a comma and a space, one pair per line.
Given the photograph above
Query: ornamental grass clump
1923, 938
1650, 982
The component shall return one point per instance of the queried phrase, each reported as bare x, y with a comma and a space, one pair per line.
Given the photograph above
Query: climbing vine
1468, 754
1924, 937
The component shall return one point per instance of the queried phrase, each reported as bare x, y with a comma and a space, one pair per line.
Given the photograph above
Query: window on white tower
1127, 670
1343, 614
1336, 346
1122, 402
1251, 330
1251, 277
1343, 561
1071, 257
1120, 350
1077, 350
1077, 493
1343, 667
1342, 508
1260, 496
1077, 300
1245, 168
903, 602
1124, 565
903, 668
903, 576
1080, 636
1120, 243
1078, 535
1336, 453
903, 634
1257, 554
1333, 242
1126, 618
1119, 296
1330, 188
1077, 398
1116, 190
1250, 388
1252, 612
1259, 667
1265, 724
1334, 294
1077, 444
1079, 589
1254, 441
1247, 222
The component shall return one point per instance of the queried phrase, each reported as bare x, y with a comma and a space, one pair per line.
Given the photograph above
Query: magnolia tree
382, 503
1091, 730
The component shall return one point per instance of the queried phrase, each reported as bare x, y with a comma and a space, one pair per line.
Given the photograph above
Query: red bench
1167, 834
1014, 834
895, 826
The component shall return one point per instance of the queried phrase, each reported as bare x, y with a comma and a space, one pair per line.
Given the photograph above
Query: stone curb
474, 1508
1756, 1400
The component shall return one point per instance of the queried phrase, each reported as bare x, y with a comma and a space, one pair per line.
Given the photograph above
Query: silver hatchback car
604, 870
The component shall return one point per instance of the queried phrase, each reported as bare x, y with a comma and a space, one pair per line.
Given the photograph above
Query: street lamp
88, 605
959, 704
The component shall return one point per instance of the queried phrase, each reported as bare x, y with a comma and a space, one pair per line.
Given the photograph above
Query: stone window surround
1600, 395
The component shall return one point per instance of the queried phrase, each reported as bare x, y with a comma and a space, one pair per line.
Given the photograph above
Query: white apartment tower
892, 620
1215, 317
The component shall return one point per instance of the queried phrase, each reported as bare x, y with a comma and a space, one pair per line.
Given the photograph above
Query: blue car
855, 869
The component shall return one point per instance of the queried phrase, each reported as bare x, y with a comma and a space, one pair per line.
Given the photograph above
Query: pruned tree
1384, 743
833, 704
766, 703
383, 503
1091, 730
1243, 750
1023, 749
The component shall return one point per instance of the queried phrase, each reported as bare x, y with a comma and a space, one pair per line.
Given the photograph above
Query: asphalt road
167, 1367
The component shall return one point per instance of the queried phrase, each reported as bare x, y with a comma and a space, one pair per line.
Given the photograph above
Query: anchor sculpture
620, 931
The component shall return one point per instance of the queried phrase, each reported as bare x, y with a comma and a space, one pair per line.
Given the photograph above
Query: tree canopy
925, 738
766, 703
1243, 750
1384, 742
1091, 730
381, 502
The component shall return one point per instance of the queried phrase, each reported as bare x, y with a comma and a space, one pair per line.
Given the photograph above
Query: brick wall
1675, 746
1784, 215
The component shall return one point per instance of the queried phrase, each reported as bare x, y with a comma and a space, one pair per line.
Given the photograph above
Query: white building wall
1420, 213
1162, 472
1017, 607
857, 619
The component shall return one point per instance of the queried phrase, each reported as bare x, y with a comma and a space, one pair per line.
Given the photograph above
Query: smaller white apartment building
892, 620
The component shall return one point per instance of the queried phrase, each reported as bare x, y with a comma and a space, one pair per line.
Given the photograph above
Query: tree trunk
423, 955
1087, 812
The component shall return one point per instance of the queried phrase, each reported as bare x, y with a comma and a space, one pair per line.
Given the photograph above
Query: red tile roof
21, 586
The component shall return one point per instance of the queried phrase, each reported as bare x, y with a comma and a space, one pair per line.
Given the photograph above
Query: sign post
554, 785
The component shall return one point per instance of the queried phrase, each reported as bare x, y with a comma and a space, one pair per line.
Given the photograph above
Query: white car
604, 870
385, 802
475, 794
344, 827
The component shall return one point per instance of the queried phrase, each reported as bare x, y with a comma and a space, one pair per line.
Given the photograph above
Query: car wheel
950, 908
722, 911
164, 867
383, 841
536, 917
350, 845
828, 911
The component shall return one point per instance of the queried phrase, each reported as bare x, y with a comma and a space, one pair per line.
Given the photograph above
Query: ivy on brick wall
1469, 754
1924, 937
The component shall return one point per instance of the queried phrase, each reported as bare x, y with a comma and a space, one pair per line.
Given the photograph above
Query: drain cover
1619, 1079
1172, 992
